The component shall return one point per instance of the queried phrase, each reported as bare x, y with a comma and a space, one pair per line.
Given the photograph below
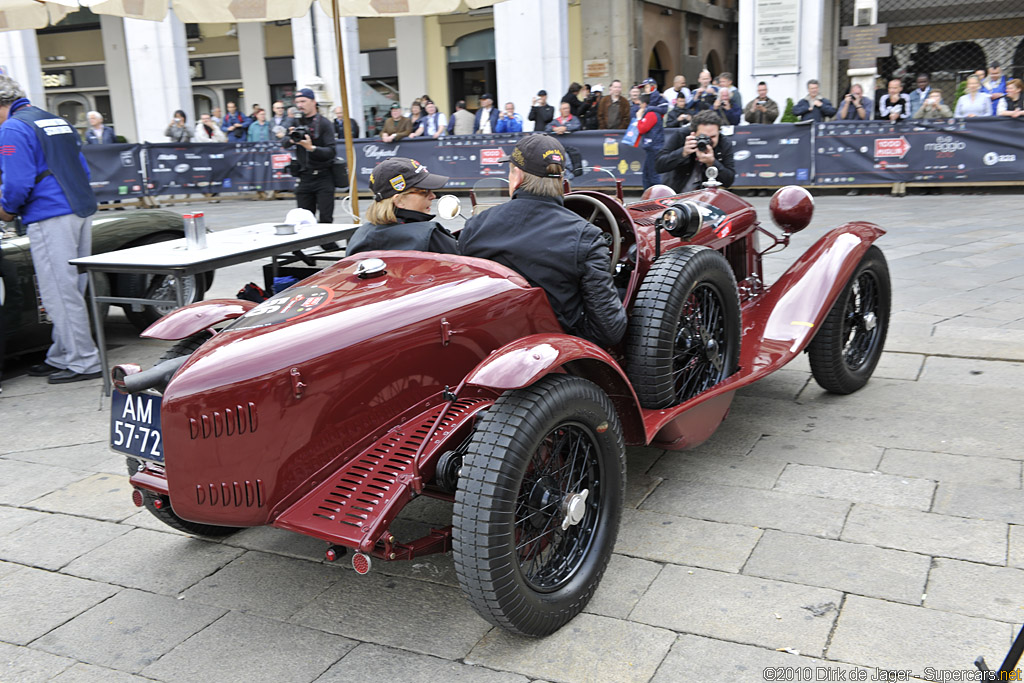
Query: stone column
531, 53
412, 67
122, 107
19, 57
252, 57
158, 65
316, 61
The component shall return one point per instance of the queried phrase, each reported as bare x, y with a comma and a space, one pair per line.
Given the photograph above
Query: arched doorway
204, 100
659, 63
713, 63
71, 107
471, 69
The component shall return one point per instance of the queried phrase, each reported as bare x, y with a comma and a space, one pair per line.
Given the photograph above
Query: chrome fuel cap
371, 267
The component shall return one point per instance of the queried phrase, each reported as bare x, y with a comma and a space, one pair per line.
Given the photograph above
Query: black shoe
65, 376
41, 370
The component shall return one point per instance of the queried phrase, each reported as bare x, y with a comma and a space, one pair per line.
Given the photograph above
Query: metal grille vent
228, 422
239, 494
372, 479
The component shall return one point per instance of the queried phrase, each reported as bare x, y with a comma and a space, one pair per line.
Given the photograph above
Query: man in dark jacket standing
486, 119
549, 245
46, 182
314, 155
541, 113
683, 160
813, 107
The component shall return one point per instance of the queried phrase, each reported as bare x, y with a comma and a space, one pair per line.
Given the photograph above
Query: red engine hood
305, 378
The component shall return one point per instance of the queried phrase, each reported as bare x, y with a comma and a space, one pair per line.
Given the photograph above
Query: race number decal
288, 305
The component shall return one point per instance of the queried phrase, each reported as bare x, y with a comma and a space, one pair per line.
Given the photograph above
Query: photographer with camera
313, 139
761, 109
693, 149
855, 106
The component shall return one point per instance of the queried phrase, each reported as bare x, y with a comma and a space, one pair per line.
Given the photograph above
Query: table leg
101, 340
179, 291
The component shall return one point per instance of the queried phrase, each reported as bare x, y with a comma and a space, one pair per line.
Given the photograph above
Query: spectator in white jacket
208, 131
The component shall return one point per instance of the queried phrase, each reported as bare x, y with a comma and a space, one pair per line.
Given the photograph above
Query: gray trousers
54, 242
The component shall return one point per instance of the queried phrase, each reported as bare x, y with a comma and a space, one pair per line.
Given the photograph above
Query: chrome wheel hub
574, 507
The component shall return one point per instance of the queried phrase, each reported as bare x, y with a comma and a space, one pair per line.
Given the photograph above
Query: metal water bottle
194, 239
200, 219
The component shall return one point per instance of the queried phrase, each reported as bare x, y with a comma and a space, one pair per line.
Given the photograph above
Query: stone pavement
813, 537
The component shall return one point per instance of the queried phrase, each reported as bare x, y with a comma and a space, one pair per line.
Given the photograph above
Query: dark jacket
541, 115
555, 249
678, 171
672, 117
575, 105
414, 231
588, 112
806, 112
339, 128
105, 138
622, 123
238, 134
322, 155
477, 122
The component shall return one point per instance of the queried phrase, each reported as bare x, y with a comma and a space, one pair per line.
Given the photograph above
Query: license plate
135, 426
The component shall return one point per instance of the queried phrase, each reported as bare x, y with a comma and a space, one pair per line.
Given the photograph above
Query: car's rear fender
521, 363
196, 317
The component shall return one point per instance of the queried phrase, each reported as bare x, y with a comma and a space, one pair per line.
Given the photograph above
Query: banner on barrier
115, 171
776, 154
214, 167
936, 150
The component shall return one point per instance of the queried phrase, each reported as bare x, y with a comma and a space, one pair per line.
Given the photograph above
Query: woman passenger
399, 217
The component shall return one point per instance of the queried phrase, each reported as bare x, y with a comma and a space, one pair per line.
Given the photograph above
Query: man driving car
552, 247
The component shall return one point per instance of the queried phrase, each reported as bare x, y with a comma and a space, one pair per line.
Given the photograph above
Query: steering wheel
586, 201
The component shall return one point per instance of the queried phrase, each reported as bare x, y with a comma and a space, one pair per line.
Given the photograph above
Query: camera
703, 142
299, 133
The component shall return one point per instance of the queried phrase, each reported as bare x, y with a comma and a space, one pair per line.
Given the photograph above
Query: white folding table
224, 248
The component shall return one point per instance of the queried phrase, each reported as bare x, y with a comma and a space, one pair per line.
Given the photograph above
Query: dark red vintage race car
391, 375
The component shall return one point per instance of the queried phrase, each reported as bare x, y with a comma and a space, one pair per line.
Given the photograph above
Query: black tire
165, 513
157, 287
684, 330
846, 349
513, 482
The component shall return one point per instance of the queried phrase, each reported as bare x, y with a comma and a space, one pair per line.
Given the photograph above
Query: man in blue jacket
486, 119
46, 182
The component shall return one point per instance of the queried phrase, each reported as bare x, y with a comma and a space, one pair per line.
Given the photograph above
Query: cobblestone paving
813, 535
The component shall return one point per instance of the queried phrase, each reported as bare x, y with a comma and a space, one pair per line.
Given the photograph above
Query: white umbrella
25, 14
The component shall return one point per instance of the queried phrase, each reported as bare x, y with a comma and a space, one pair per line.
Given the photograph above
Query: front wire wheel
845, 351
538, 504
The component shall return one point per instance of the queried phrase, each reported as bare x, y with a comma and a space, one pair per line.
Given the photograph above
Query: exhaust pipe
129, 379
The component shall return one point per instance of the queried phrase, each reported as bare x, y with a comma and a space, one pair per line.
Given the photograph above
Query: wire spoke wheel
684, 329
549, 548
847, 347
538, 504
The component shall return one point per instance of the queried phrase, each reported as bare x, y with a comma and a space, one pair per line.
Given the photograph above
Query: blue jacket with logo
21, 162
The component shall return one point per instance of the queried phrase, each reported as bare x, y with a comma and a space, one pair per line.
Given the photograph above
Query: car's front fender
196, 317
521, 363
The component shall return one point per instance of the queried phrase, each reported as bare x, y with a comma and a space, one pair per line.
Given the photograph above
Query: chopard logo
375, 152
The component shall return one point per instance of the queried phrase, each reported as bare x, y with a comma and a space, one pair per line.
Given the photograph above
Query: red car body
329, 422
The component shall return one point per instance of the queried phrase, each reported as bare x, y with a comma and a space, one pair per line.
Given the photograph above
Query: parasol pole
350, 154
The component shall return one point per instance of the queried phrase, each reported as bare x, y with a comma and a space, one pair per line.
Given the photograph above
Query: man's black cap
542, 93
533, 154
306, 92
487, 96
398, 174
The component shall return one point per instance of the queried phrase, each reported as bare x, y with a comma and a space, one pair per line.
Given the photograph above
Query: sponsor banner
215, 167
937, 150
468, 159
774, 155
115, 171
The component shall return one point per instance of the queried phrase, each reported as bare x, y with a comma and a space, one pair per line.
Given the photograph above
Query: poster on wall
776, 37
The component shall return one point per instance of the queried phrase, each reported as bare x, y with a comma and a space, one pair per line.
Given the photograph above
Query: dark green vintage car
24, 322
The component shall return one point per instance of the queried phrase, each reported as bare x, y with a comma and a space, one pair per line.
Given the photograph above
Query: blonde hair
382, 212
544, 186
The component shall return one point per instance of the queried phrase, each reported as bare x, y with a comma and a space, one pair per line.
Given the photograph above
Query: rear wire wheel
684, 330
538, 504
845, 351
